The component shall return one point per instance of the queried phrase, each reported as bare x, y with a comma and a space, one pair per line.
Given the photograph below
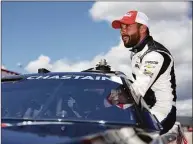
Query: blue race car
89, 107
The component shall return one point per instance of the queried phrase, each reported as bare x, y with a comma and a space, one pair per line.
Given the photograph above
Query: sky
59, 30
72, 36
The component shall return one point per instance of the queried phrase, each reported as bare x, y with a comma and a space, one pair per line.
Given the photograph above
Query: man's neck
142, 39
140, 45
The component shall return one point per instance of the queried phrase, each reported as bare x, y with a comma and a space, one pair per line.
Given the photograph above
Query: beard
133, 40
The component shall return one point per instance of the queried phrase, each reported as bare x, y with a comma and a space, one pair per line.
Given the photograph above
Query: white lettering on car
32, 77
104, 78
97, 78
42, 77
88, 77
55, 77
65, 77
76, 77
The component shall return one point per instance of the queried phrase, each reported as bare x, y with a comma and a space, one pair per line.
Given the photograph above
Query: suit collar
141, 45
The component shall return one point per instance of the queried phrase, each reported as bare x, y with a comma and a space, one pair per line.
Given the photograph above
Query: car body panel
49, 133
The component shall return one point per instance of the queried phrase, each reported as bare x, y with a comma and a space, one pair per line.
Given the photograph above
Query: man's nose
123, 32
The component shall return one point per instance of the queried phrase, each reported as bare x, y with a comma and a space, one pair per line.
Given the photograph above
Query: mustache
124, 36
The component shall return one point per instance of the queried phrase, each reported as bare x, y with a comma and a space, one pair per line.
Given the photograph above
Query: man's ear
143, 29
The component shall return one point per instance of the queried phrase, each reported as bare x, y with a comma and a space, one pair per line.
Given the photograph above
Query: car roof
90, 72
69, 75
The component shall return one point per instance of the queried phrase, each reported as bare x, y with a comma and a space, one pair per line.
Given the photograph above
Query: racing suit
154, 80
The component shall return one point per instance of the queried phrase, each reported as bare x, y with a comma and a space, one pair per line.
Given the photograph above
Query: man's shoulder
157, 50
157, 46
153, 55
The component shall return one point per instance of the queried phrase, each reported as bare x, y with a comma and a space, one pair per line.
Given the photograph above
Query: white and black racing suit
154, 79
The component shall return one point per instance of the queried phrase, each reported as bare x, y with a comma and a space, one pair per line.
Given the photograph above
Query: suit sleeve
149, 70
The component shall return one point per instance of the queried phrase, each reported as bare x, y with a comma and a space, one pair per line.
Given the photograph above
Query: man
118, 97
152, 67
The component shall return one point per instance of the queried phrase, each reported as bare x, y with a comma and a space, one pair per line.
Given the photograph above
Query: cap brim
116, 24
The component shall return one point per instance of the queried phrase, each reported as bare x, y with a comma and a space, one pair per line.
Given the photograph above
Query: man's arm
151, 67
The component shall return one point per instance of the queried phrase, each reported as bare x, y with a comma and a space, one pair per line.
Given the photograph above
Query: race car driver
152, 67
118, 97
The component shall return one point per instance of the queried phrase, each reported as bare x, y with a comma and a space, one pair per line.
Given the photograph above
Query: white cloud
42, 61
3, 67
169, 25
155, 10
184, 107
117, 61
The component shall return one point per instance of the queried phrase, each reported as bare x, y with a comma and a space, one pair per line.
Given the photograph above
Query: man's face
119, 96
130, 34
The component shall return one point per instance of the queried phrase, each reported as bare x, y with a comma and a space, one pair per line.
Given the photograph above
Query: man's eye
123, 26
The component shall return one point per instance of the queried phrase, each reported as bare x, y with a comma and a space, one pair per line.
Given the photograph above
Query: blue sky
55, 29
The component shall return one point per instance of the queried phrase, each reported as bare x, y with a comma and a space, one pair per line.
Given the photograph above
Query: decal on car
76, 77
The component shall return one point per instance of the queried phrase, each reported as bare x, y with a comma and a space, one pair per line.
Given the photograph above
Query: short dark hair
147, 32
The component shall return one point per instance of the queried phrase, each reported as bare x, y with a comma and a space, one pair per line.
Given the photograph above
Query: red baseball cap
131, 17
